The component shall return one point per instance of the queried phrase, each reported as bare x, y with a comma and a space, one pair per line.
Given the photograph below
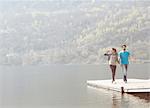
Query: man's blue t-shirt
124, 57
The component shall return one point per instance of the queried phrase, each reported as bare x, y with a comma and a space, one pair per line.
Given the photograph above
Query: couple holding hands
115, 58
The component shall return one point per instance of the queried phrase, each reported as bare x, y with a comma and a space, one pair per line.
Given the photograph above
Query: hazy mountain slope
71, 32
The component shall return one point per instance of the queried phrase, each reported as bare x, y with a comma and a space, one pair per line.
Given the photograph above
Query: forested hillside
74, 32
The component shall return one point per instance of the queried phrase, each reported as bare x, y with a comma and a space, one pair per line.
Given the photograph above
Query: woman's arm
106, 54
118, 59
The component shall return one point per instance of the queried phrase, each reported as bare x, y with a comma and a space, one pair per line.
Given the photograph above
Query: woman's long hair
114, 49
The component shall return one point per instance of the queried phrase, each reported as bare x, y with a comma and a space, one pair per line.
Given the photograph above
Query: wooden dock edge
123, 88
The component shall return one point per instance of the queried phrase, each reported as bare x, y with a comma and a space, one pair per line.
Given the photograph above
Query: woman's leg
114, 72
113, 69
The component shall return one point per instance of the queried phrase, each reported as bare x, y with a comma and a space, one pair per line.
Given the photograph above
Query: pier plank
133, 85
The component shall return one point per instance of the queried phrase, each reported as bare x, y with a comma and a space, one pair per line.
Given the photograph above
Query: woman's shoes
113, 82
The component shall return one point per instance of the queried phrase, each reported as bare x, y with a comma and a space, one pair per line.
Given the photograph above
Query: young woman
112, 60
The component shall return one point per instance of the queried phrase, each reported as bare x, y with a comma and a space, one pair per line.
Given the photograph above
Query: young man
124, 61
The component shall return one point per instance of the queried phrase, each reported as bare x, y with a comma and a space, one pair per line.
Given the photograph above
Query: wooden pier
132, 86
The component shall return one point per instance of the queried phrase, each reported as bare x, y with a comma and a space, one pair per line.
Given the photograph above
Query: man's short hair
124, 45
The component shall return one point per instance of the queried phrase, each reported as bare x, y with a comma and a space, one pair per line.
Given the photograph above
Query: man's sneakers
125, 79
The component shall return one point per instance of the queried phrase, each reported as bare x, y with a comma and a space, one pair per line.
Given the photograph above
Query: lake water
64, 86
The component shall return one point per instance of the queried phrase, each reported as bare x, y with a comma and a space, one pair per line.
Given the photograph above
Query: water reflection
115, 99
118, 100
145, 96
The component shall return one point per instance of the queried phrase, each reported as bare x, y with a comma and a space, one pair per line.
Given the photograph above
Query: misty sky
74, 0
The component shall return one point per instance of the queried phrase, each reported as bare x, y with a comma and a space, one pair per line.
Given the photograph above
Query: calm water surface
64, 86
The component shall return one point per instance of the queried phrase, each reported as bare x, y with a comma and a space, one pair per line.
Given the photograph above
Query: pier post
122, 90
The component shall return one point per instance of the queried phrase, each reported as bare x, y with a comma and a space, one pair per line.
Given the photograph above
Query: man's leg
126, 69
122, 69
124, 72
